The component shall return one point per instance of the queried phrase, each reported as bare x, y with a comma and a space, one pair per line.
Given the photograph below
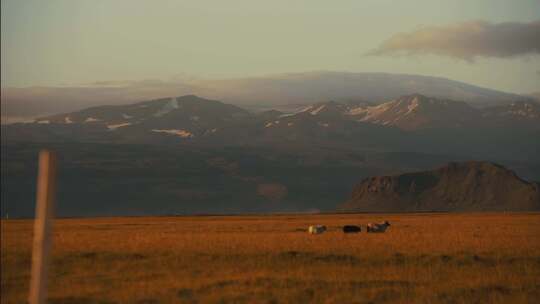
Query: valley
129, 179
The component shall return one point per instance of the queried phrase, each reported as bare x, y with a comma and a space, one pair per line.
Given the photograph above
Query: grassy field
422, 258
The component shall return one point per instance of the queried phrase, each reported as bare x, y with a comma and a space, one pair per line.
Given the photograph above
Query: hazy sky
73, 42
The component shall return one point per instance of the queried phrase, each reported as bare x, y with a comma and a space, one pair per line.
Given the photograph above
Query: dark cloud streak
467, 40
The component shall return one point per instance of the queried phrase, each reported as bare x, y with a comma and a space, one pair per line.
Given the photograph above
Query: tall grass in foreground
422, 258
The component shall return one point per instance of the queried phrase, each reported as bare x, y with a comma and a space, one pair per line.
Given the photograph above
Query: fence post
45, 199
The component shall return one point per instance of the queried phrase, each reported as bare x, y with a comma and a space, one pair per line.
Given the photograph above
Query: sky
489, 43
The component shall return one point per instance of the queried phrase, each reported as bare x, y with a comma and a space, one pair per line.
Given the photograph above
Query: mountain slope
184, 117
467, 186
526, 113
165, 110
417, 112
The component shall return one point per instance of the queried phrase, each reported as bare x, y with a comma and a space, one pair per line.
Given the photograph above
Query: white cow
371, 227
317, 229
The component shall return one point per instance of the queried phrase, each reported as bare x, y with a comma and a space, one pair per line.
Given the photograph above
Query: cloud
467, 40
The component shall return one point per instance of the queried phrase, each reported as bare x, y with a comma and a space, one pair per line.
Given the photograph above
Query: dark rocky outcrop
466, 186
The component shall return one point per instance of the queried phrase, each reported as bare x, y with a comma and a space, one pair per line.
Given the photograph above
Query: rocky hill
466, 186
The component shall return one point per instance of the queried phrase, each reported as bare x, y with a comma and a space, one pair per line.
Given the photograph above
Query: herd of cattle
371, 227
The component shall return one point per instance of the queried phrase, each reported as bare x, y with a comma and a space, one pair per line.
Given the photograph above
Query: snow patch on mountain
368, 113
412, 105
68, 120
306, 109
177, 132
524, 109
91, 119
210, 131
168, 107
357, 111
317, 110
116, 126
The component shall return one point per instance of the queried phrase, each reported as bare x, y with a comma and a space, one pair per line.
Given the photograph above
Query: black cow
351, 229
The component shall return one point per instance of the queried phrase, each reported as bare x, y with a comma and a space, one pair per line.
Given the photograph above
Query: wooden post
45, 199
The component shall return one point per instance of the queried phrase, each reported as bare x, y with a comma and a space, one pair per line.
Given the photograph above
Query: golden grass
422, 258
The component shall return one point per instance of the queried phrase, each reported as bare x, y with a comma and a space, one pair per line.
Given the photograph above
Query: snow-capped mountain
416, 111
191, 116
318, 121
323, 122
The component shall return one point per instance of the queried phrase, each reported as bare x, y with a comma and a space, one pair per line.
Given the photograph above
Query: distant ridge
464, 186
260, 92
309, 87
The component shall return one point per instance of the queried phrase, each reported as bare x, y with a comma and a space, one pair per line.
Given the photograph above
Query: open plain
422, 258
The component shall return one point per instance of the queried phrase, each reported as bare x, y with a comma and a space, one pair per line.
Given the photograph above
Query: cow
351, 229
316, 229
377, 227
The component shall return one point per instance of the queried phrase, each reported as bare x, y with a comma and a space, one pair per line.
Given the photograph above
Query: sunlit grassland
423, 258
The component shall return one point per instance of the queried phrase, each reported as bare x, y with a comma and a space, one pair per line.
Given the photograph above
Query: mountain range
465, 186
408, 123
187, 154
265, 92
